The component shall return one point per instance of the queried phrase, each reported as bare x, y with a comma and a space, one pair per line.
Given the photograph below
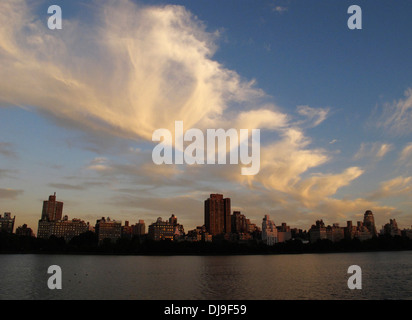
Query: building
127, 230
217, 215
335, 233
64, 228
299, 234
269, 231
139, 229
68, 229
317, 231
7, 223
359, 231
198, 234
24, 231
161, 230
239, 223
43, 229
369, 222
52, 209
52, 222
108, 229
391, 228
407, 233
284, 233
251, 227
179, 231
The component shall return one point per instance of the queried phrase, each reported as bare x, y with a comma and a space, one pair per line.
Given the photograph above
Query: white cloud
394, 187
283, 162
406, 153
375, 150
138, 69
396, 117
315, 116
319, 187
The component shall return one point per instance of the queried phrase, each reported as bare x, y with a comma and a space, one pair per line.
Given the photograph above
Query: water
385, 275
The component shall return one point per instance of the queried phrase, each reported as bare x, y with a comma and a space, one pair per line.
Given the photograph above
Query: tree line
87, 243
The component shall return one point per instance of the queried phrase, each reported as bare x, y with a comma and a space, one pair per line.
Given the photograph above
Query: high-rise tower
217, 214
369, 222
52, 209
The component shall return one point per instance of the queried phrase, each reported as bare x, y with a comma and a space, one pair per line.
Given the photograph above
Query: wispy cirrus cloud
314, 116
405, 155
396, 117
375, 151
398, 186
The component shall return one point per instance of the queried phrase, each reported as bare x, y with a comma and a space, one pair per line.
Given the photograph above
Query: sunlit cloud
406, 153
141, 68
375, 150
399, 186
315, 116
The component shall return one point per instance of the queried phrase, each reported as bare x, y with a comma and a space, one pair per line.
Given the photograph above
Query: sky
79, 105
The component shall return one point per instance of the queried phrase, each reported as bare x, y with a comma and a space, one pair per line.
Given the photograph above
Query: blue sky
78, 106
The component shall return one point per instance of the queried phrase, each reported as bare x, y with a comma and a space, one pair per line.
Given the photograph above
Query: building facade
269, 231
139, 229
391, 228
52, 209
67, 229
24, 231
239, 223
217, 215
317, 231
359, 231
161, 230
7, 223
64, 228
284, 233
369, 222
107, 228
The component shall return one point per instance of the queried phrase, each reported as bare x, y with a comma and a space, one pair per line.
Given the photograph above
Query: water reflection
386, 275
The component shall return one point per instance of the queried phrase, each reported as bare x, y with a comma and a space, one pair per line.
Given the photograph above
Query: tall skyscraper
53, 224
52, 212
52, 209
217, 214
369, 222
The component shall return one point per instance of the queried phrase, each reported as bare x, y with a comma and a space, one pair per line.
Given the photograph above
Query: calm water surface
385, 275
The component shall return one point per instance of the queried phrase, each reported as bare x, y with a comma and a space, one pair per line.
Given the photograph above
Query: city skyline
78, 107
217, 220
